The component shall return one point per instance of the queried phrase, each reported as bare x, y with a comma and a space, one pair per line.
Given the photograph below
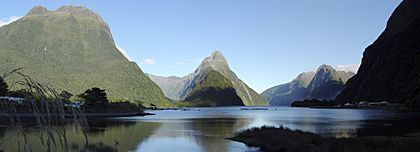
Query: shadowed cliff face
390, 68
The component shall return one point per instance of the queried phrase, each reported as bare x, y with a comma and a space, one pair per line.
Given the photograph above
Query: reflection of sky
206, 134
205, 129
168, 144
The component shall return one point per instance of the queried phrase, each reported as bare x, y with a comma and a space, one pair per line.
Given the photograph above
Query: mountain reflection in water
205, 129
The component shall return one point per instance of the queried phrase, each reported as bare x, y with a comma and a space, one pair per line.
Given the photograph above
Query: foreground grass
271, 139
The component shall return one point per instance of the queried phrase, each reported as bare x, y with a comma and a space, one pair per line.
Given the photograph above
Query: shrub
3, 87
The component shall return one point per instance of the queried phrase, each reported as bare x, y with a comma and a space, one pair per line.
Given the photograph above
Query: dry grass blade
45, 106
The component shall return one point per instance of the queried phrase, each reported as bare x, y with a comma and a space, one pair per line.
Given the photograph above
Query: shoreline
272, 139
87, 115
354, 107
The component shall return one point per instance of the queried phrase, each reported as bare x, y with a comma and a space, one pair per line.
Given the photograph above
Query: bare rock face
390, 69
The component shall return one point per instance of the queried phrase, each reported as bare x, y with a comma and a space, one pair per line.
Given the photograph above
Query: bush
95, 98
66, 95
3, 87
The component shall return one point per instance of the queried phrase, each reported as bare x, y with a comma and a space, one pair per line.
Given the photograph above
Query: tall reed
45, 107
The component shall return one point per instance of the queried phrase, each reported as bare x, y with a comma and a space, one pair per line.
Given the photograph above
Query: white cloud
123, 52
348, 67
179, 62
148, 62
8, 20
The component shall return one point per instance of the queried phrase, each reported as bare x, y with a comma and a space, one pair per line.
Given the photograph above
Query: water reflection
123, 136
205, 129
197, 134
214, 130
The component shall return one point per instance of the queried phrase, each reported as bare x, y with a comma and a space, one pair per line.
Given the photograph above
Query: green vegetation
169, 85
3, 87
314, 103
249, 97
271, 139
217, 62
65, 95
44, 105
95, 100
213, 90
72, 49
97, 147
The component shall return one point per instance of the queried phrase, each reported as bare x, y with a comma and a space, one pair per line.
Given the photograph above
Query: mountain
326, 83
72, 49
169, 85
390, 69
214, 90
285, 94
215, 62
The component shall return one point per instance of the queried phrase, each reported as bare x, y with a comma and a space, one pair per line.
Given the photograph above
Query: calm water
205, 129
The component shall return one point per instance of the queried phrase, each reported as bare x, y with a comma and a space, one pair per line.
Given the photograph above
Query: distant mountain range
390, 69
72, 49
325, 84
169, 85
190, 86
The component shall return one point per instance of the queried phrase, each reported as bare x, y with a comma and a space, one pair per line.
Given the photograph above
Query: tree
154, 107
95, 97
65, 95
3, 87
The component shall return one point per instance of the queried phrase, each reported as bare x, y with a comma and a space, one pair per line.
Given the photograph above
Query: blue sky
266, 42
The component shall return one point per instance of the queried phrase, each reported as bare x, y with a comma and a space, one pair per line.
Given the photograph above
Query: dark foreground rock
271, 139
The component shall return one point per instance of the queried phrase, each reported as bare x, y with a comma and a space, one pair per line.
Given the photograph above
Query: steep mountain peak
304, 78
325, 73
79, 52
325, 67
216, 53
217, 56
326, 83
72, 16
216, 61
78, 11
38, 10
305, 75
